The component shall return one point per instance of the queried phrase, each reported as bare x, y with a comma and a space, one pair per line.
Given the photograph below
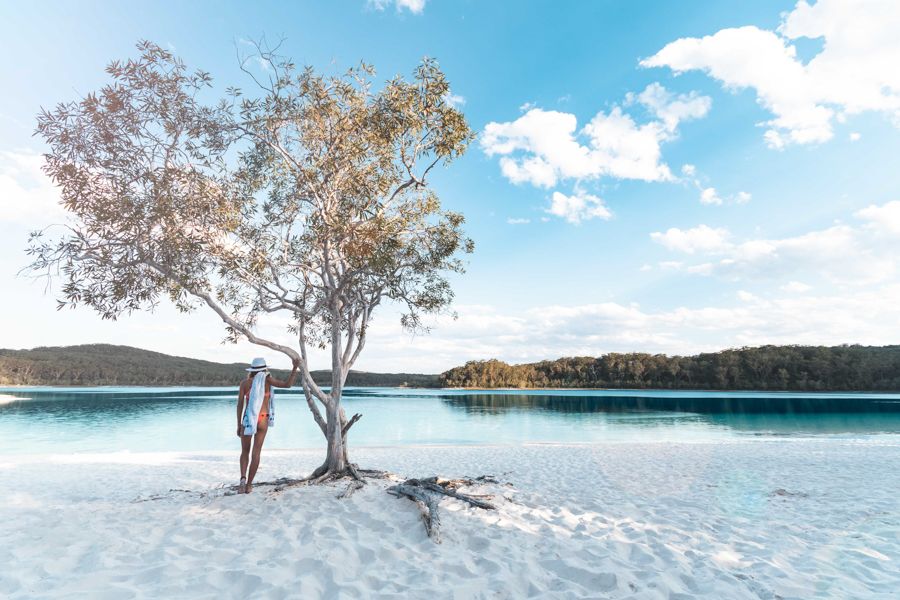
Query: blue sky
654, 176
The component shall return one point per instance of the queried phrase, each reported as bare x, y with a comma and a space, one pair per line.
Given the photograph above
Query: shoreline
134, 457
887, 438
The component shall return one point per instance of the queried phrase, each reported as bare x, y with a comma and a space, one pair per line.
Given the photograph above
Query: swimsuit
264, 415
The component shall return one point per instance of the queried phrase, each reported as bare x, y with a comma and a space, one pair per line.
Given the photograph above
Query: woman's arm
290, 381
240, 406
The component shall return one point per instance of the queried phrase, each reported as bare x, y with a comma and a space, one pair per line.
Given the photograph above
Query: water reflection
700, 402
741, 412
100, 403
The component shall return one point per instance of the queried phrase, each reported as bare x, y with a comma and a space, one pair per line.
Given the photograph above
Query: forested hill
103, 364
845, 368
852, 368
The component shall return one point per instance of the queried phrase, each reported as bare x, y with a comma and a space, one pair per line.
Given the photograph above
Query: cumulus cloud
413, 6
669, 108
854, 72
709, 196
885, 218
699, 239
861, 253
517, 221
543, 147
578, 207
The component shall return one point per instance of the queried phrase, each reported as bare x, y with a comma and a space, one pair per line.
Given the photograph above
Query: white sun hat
258, 364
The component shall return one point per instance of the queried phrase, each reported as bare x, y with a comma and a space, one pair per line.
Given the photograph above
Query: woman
255, 413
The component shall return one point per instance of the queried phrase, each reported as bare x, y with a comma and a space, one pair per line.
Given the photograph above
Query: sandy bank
756, 519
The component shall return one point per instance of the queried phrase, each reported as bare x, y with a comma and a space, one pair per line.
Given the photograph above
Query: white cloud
27, 196
625, 150
454, 100
669, 108
885, 218
413, 6
847, 254
796, 287
543, 147
854, 72
699, 239
855, 136
514, 221
578, 207
709, 196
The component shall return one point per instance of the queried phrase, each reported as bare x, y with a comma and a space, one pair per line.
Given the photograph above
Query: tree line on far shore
105, 364
789, 368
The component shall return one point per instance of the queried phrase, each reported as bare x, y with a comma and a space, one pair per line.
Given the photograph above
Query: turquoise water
109, 419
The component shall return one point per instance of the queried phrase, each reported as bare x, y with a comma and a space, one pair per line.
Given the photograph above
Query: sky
649, 176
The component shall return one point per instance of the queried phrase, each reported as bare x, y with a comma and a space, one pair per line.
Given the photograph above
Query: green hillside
104, 364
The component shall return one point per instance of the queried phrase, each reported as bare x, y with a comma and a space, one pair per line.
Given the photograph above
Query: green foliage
807, 368
104, 364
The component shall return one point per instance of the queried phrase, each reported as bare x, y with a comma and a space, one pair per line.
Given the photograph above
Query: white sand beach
755, 519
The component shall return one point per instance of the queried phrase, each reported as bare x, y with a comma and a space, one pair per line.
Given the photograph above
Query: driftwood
426, 494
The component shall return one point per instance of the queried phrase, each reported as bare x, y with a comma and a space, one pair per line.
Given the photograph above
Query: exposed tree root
426, 494
428, 505
352, 487
170, 494
323, 475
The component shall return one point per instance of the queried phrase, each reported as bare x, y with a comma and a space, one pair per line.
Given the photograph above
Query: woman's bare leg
246, 441
258, 441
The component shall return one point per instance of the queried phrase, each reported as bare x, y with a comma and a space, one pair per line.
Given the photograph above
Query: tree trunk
336, 460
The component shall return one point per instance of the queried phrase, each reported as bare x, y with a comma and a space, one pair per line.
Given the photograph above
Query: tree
309, 199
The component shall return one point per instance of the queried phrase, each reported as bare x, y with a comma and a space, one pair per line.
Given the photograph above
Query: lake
110, 419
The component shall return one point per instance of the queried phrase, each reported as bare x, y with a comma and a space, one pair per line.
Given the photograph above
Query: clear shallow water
108, 419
